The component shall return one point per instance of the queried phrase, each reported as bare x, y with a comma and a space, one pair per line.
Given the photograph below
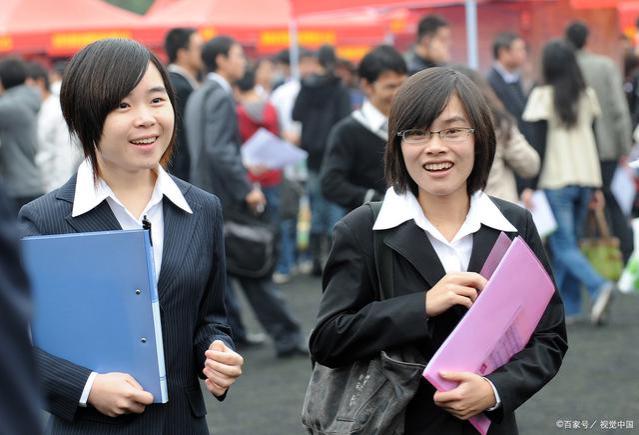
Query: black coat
180, 163
191, 290
352, 325
513, 98
321, 103
19, 394
353, 165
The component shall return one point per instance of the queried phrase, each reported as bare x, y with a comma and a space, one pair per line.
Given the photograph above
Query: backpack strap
383, 257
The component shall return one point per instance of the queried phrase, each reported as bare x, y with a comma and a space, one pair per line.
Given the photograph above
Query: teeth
146, 141
438, 166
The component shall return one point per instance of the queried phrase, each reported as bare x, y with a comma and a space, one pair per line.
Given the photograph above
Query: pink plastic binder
500, 322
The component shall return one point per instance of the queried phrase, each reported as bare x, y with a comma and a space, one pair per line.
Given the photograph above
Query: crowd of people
400, 133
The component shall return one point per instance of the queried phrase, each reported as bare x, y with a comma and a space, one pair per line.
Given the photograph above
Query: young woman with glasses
439, 227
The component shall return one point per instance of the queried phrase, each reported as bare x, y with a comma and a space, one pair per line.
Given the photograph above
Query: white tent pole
471, 33
294, 52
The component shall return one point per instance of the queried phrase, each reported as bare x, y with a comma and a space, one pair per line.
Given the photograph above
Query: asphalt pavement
596, 390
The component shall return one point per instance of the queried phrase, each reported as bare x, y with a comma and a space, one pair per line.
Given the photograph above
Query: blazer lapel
179, 227
483, 242
411, 242
101, 218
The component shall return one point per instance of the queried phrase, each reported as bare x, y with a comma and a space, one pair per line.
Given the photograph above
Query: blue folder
96, 303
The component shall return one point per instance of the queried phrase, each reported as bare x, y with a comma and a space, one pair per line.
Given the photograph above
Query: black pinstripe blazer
191, 290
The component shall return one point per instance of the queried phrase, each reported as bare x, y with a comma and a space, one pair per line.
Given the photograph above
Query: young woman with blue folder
118, 101
439, 228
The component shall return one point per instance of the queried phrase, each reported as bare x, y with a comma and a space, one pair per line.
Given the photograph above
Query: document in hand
500, 322
96, 303
266, 149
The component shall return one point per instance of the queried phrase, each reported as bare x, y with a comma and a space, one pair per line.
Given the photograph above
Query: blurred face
440, 168
264, 74
137, 133
233, 66
515, 56
193, 54
382, 91
308, 66
438, 46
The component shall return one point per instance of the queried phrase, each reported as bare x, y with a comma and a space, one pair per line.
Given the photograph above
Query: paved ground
598, 382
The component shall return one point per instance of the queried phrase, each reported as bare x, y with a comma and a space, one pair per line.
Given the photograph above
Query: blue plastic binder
96, 303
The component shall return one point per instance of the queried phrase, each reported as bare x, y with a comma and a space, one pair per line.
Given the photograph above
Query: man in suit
19, 106
612, 128
216, 166
432, 47
509, 52
19, 395
183, 46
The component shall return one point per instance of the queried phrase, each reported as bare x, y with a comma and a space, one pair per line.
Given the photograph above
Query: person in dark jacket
509, 52
321, 103
19, 392
432, 47
353, 169
440, 228
183, 46
19, 106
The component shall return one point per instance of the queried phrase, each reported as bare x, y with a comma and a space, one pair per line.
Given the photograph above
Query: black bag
370, 396
251, 244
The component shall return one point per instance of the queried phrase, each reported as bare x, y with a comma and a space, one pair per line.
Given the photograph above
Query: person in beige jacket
513, 155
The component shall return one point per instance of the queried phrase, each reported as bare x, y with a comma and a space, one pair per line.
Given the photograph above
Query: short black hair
379, 60
327, 57
13, 72
175, 40
577, 34
96, 80
418, 102
247, 82
36, 71
212, 49
429, 25
504, 41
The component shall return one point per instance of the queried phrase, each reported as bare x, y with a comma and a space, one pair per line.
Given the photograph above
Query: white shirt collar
509, 77
377, 120
177, 69
88, 195
398, 209
221, 80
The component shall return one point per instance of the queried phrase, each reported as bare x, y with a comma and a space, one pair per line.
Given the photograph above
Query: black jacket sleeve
336, 171
352, 325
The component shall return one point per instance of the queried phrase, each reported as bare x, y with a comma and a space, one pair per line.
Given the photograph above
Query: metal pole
294, 52
471, 33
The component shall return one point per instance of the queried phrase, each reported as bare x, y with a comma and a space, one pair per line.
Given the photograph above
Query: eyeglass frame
468, 131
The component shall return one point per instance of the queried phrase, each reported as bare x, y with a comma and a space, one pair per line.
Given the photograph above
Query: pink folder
499, 323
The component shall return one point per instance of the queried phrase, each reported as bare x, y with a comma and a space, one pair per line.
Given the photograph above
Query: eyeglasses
416, 136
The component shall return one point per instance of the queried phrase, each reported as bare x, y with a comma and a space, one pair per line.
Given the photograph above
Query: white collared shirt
221, 81
88, 195
376, 120
454, 255
509, 77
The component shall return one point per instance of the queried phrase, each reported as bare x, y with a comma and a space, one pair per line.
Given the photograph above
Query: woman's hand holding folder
471, 397
115, 394
454, 289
